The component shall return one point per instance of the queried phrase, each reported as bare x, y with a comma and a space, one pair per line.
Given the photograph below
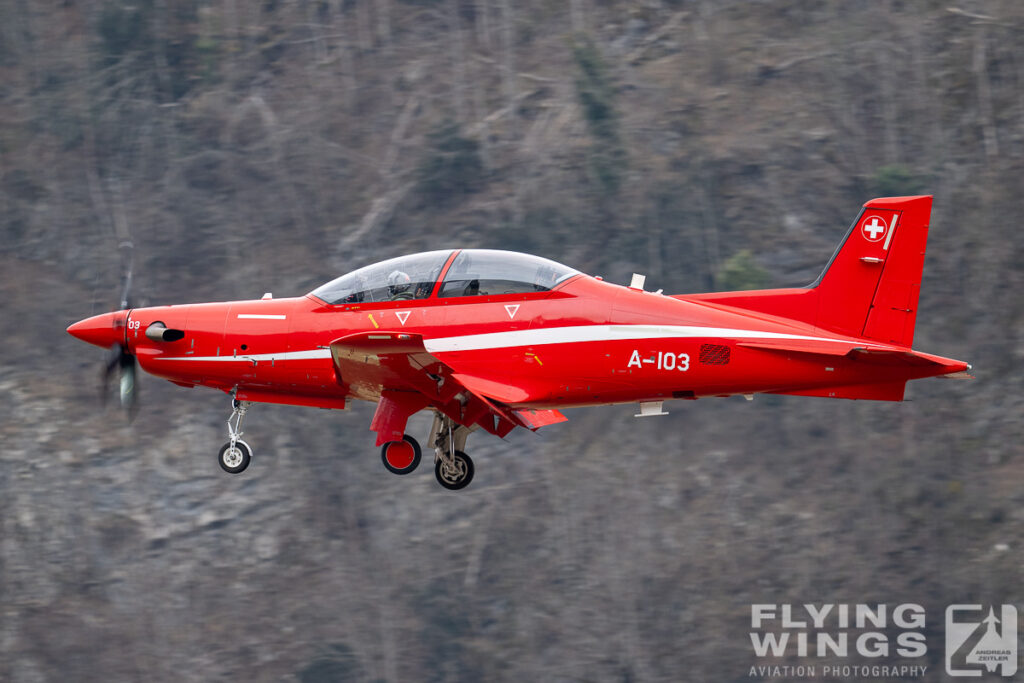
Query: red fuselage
586, 342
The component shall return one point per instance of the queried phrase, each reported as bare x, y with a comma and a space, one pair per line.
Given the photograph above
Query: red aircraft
496, 340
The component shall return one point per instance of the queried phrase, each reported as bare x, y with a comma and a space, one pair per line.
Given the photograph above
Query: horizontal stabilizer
799, 346
893, 357
882, 391
858, 351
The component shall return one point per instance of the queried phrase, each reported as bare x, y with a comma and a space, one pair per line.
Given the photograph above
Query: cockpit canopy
472, 272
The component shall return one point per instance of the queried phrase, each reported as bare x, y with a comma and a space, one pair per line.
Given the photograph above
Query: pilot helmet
398, 281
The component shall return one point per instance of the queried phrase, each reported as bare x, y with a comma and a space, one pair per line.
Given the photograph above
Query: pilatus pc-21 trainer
496, 340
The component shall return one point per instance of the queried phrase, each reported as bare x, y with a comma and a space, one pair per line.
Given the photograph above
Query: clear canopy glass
473, 272
405, 277
489, 271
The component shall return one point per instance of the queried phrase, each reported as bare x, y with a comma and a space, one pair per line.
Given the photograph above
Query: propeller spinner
108, 331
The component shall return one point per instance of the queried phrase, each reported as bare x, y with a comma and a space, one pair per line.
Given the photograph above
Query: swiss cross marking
874, 228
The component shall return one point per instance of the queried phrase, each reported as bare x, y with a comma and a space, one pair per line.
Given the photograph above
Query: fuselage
584, 342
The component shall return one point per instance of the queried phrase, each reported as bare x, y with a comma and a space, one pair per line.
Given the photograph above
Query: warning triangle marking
402, 316
512, 309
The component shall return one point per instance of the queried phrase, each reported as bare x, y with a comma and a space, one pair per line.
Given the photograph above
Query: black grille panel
714, 354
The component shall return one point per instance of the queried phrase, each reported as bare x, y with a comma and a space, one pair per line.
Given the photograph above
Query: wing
395, 369
869, 354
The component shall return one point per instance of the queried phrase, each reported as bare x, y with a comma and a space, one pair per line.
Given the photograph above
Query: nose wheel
234, 458
236, 454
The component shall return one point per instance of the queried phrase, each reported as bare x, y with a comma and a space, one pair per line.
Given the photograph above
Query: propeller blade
126, 386
125, 248
127, 389
109, 369
124, 366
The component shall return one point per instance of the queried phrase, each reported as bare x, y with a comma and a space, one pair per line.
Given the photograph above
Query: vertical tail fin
870, 287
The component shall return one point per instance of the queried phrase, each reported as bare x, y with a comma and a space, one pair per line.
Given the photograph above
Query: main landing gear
452, 467
236, 454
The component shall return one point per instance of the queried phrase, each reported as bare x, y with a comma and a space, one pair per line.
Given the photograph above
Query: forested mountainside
245, 147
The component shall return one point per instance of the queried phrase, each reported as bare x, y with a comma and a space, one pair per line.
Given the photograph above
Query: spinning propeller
109, 331
122, 363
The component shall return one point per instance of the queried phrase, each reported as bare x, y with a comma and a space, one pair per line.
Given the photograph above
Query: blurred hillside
245, 147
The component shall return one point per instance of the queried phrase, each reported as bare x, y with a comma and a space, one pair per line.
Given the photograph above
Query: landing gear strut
235, 455
452, 467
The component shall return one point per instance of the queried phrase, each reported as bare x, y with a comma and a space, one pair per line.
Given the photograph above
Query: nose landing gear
236, 454
452, 467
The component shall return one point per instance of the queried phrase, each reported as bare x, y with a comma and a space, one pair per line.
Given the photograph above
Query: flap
380, 363
499, 391
535, 419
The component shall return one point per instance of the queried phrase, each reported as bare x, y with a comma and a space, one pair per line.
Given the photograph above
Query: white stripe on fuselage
596, 333
540, 337
284, 355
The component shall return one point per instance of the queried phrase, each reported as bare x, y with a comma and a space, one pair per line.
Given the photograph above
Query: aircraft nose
104, 330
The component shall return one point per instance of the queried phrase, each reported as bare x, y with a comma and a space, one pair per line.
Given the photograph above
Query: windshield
397, 279
488, 271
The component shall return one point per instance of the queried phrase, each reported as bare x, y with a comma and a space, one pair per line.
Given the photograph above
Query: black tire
408, 468
459, 481
237, 463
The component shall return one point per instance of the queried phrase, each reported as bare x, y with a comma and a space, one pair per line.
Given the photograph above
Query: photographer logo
978, 640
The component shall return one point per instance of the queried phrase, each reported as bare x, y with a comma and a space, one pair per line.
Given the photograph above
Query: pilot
545, 278
398, 286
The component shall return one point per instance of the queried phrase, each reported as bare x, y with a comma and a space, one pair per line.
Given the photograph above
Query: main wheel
401, 457
457, 477
235, 460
